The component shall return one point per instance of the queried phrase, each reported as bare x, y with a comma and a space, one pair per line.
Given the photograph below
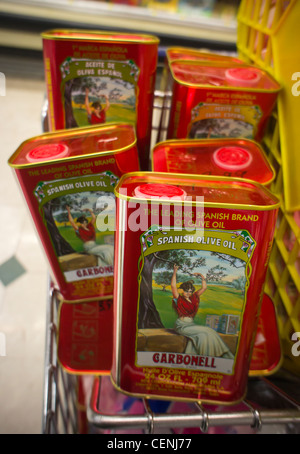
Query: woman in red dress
203, 340
85, 230
96, 113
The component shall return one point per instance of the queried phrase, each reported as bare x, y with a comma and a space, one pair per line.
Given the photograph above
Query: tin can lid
47, 152
232, 158
228, 192
156, 190
242, 77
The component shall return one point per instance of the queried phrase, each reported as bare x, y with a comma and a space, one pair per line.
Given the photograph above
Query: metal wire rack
60, 396
206, 419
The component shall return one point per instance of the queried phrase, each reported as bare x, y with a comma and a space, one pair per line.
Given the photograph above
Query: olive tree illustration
240, 284
233, 261
186, 260
163, 279
216, 273
95, 85
204, 128
70, 86
60, 245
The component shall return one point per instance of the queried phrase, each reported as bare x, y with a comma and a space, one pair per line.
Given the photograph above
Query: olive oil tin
94, 77
217, 99
190, 55
241, 158
85, 337
191, 258
68, 179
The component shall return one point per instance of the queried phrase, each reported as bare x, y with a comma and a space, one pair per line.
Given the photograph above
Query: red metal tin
66, 194
191, 55
85, 337
84, 67
220, 237
240, 158
266, 357
214, 100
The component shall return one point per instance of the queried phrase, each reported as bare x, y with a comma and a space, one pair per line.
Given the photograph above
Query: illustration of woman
96, 113
203, 340
85, 230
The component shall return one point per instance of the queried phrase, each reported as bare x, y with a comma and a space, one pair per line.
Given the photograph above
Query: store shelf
22, 21
266, 31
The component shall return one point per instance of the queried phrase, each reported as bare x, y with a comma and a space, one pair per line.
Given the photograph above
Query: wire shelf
60, 388
253, 416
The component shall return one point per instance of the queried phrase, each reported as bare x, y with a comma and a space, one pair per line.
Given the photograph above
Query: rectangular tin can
98, 76
85, 337
241, 158
188, 248
68, 179
188, 54
215, 100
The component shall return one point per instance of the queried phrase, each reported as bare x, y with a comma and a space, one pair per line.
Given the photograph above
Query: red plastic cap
244, 77
232, 158
156, 190
47, 152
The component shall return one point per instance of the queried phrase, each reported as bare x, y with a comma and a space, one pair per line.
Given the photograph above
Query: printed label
222, 120
79, 214
98, 91
87, 337
192, 295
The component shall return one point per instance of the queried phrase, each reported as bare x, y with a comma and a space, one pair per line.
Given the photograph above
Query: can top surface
185, 53
215, 191
73, 144
98, 35
220, 74
213, 156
